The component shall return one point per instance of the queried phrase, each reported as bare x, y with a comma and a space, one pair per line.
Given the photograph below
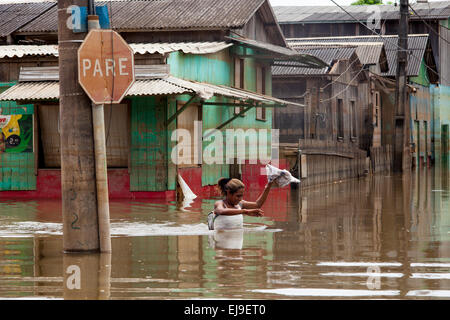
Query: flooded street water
380, 237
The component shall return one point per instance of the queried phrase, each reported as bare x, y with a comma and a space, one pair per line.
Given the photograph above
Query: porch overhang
279, 54
49, 90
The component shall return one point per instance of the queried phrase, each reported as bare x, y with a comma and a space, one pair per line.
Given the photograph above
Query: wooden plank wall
381, 159
330, 161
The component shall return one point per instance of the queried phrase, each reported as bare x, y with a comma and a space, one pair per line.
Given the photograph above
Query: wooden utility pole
79, 197
402, 112
101, 168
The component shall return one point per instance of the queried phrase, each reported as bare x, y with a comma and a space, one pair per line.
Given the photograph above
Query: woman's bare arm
221, 209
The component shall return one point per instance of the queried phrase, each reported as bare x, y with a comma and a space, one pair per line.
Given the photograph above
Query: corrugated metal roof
14, 16
155, 87
10, 51
207, 90
49, 90
280, 53
328, 14
417, 45
328, 54
368, 52
165, 14
186, 47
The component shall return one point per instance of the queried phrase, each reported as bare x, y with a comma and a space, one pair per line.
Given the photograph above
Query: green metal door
148, 170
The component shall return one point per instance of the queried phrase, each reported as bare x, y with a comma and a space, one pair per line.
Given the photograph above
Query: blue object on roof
103, 16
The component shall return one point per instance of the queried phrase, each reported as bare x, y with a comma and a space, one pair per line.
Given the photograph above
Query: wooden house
430, 73
200, 66
330, 131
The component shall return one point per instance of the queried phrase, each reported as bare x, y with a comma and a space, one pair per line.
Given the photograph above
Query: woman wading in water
231, 209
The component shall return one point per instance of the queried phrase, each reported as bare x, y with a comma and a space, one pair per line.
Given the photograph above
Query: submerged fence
322, 161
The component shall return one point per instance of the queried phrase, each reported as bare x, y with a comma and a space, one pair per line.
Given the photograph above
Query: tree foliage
367, 2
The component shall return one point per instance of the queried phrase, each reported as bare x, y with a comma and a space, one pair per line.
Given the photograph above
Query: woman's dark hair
231, 185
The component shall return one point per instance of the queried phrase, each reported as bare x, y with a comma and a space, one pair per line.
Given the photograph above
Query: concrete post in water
101, 168
79, 199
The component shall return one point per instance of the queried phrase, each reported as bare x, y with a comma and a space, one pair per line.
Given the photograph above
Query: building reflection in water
399, 220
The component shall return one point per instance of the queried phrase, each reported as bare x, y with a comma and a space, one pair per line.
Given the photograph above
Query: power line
345, 89
336, 80
387, 39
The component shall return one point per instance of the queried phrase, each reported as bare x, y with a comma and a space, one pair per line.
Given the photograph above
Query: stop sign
105, 66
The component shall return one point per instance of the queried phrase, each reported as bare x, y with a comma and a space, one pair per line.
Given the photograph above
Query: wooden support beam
230, 120
227, 104
173, 117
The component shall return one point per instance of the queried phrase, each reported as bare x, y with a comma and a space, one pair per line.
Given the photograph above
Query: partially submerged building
202, 67
336, 130
428, 60
422, 74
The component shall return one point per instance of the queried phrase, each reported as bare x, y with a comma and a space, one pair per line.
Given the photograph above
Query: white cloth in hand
280, 177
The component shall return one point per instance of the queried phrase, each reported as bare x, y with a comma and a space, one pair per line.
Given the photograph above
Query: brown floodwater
382, 237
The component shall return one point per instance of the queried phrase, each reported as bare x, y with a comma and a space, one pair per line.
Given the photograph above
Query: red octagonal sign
105, 66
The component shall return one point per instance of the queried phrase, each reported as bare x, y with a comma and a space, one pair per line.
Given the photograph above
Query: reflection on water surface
380, 237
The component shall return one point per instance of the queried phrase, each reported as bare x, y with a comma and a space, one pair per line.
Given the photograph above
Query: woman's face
235, 198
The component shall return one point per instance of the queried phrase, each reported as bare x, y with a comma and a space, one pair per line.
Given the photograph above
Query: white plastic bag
282, 178
187, 192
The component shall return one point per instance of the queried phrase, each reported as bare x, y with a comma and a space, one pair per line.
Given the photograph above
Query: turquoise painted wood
148, 169
17, 170
218, 68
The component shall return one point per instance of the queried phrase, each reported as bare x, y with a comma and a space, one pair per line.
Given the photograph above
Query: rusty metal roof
15, 16
164, 15
11, 51
332, 13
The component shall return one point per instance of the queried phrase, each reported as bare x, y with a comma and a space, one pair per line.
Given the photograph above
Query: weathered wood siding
322, 162
421, 116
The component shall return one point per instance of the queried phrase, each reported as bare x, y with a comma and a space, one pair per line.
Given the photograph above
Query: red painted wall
48, 184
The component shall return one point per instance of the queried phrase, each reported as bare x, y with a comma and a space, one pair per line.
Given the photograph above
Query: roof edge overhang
168, 86
280, 53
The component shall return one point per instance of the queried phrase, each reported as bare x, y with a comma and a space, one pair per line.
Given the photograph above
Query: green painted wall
218, 68
17, 165
422, 78
441, 110
148, 168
